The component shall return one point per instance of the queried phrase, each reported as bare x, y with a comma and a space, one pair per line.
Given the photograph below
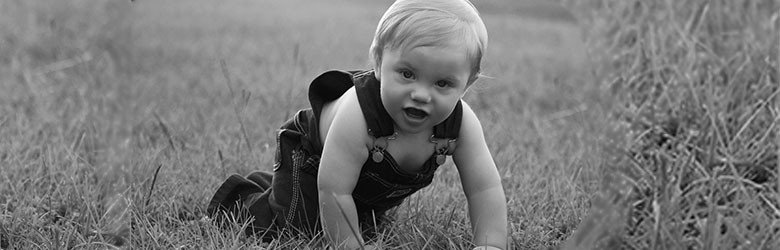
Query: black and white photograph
389, 124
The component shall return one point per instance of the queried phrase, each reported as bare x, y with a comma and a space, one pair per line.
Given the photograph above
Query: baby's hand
365, 247
486, 248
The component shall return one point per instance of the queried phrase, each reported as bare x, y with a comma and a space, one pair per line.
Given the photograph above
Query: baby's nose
421, 95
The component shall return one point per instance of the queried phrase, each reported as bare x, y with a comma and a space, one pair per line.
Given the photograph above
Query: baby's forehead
453, 48
442, 42
447, 60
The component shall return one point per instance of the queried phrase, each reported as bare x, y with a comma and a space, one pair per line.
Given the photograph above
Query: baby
373, 138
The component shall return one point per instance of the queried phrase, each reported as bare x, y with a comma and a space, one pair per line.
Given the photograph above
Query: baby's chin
405, 127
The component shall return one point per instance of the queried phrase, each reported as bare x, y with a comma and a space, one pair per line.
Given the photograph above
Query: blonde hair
409, 24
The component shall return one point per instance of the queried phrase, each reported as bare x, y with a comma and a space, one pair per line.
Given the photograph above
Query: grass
118, 121
695, 85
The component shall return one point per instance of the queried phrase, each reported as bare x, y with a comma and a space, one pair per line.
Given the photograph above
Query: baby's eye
407, 74
442, 84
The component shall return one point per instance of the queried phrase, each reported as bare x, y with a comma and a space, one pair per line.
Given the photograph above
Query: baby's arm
481, 184
343, 155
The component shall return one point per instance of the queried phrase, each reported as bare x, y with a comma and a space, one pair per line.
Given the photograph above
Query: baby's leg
294, 197
262, 178
285, 200
239, 199
234, 190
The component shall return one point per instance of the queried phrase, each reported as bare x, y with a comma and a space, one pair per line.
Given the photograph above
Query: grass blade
151, 189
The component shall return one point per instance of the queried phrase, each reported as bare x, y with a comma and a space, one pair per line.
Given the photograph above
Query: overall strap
379, 122
450, 127
445, 134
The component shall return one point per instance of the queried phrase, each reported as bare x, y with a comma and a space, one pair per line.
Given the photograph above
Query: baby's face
421, 86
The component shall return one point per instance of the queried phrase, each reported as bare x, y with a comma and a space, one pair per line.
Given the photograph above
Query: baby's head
408, 24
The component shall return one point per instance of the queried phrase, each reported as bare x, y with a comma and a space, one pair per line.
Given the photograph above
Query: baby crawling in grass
372, 138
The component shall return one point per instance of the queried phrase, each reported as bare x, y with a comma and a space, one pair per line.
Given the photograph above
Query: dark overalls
288, 198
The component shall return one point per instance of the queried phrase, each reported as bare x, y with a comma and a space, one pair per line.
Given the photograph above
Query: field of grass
118, 120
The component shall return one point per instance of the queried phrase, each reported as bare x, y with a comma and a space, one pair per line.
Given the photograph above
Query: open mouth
415, 113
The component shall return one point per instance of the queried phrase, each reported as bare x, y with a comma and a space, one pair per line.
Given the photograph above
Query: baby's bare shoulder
469, 122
